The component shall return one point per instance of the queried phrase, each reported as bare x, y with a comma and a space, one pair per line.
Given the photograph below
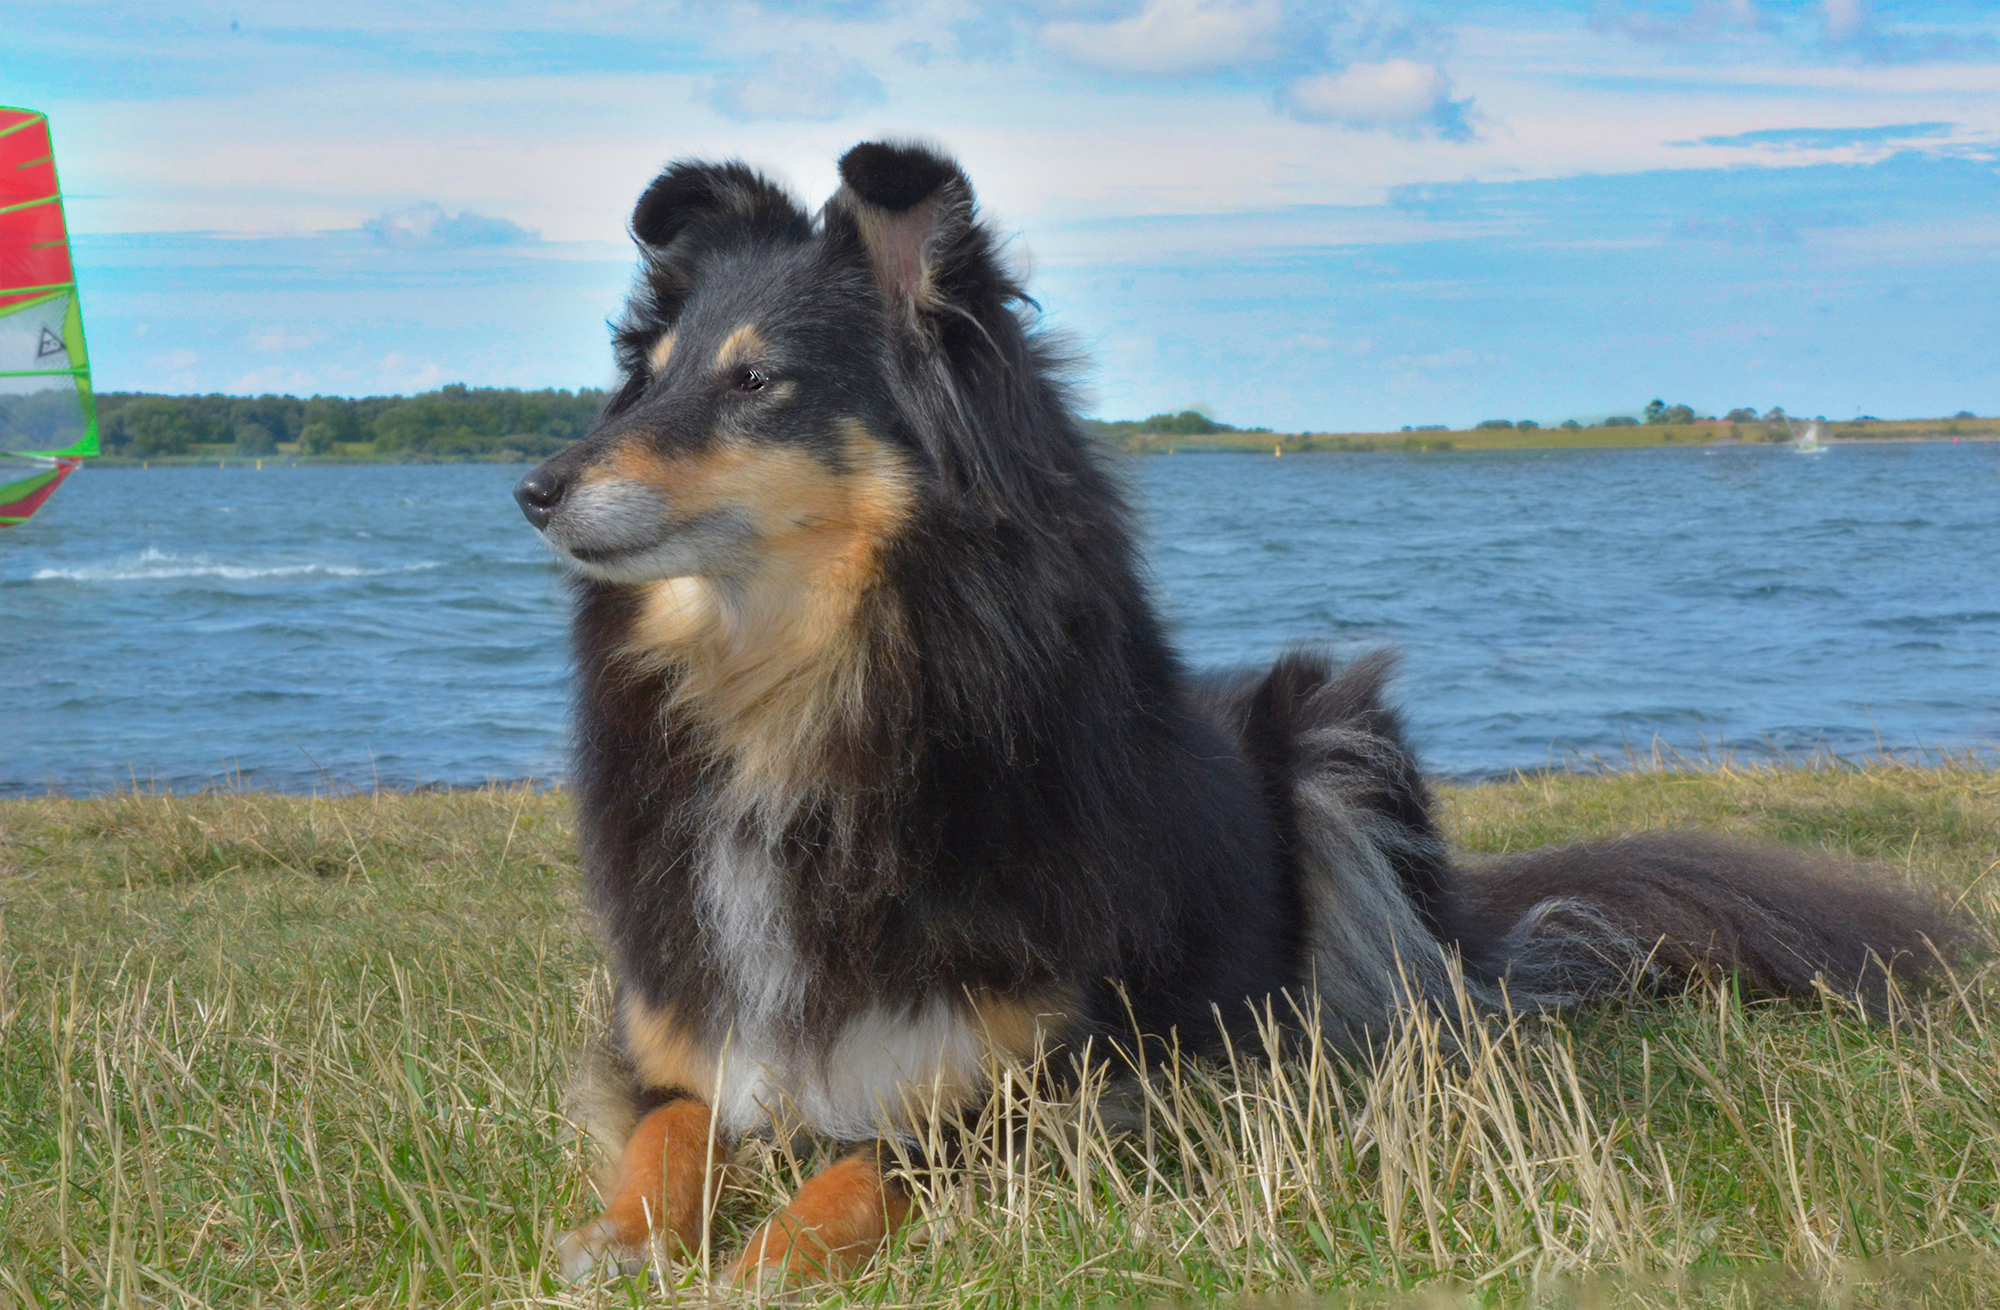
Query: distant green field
1555, 438
501, 424
262, 1050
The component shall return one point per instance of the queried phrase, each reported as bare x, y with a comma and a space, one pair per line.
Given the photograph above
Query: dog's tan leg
669, 1162
831, 1227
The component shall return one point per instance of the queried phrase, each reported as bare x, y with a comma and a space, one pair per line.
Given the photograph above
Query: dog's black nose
538, 494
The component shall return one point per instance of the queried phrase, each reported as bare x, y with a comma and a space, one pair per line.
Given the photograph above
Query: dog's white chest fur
881, 1071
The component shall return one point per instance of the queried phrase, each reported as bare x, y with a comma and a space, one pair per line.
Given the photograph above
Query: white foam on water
159, 565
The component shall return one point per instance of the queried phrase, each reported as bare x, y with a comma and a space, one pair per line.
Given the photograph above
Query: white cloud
277, 378
403, 374
1371, 95
1397, 95
801, 84
1172, 36
174, 360
173, 371
276, 337
428, 227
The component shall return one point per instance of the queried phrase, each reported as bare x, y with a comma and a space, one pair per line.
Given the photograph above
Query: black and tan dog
885, 768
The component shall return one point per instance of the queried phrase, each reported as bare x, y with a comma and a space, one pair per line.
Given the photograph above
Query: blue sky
1303, 215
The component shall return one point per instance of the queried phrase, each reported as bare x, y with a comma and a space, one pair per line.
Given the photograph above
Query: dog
886, 770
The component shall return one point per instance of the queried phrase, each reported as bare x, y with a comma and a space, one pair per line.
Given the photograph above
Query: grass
259, 1049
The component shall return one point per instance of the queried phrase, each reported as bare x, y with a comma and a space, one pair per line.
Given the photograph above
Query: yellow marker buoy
1276, 451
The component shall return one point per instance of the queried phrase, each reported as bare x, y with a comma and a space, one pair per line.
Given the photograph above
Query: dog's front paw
763, 1279
600, 1250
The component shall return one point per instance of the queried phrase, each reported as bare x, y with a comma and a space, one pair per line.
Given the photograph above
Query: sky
1307, 216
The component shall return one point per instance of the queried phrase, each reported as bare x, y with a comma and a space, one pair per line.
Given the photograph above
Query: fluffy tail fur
1554, 927
1570, 922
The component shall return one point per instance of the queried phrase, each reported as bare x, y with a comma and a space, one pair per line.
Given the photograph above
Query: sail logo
50, 344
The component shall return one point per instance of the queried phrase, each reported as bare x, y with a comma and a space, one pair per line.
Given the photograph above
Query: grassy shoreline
312, 1051
1689, 436
460, 424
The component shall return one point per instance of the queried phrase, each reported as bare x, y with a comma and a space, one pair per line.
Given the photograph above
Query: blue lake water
296, 628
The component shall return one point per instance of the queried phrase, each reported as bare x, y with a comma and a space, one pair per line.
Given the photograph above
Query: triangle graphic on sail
50, 344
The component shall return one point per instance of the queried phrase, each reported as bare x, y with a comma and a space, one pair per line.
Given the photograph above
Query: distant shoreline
1230, 443
1706, 436
504, 425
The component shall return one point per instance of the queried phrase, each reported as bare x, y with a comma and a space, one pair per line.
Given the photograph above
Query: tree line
1187, 423
507, 423
454, 422
1658, 414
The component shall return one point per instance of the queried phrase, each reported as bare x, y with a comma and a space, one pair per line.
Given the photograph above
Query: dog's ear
695, 204
912, 211
693, 209
690, 211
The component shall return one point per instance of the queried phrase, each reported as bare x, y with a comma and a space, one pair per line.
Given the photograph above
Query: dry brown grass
275, 1050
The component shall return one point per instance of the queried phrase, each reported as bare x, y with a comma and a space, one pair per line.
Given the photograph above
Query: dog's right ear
911, 209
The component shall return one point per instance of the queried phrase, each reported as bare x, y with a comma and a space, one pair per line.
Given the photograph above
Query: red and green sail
48, 421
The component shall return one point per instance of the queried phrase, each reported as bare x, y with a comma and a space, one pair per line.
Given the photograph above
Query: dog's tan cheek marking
821, 528
843, 520
664, 1053
689, 485
662, 351
631, 460
827, 532
742, 346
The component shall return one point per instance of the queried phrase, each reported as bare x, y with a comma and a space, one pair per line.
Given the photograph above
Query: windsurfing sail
48, 420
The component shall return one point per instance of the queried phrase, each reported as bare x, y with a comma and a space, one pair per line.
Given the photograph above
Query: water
304, 627
294, 626
1555, 607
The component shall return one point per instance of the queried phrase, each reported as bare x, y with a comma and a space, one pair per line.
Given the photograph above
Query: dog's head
772, 414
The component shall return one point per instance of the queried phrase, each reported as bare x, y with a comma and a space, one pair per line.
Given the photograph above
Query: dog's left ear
912, 211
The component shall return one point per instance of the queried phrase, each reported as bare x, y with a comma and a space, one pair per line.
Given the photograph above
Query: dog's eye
752, 379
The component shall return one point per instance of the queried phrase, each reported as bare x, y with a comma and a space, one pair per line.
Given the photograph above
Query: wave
159, 565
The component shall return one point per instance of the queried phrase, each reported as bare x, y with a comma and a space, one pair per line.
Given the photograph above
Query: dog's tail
1554, 927
1567, 923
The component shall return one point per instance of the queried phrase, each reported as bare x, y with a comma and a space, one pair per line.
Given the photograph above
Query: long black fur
1035, 795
